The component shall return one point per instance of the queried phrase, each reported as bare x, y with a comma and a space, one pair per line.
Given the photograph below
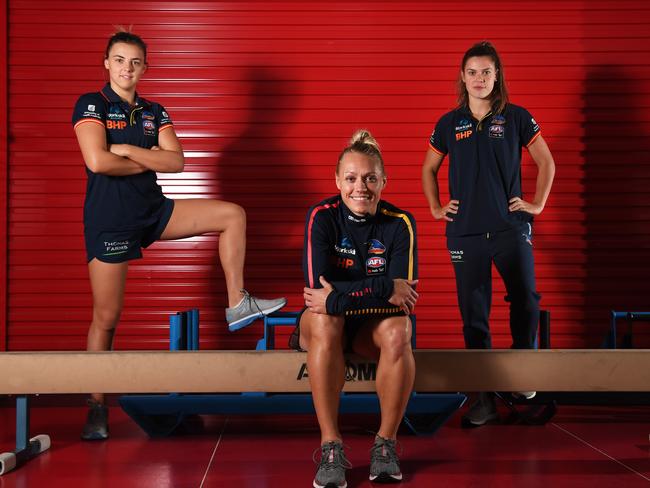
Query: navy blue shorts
118, 246
351, 328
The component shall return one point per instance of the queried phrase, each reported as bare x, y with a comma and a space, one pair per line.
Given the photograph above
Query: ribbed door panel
4, 164
265, 94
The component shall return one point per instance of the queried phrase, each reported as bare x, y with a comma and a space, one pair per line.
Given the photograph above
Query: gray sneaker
250, 309
96, 428
384, 463
482, 411
332, 466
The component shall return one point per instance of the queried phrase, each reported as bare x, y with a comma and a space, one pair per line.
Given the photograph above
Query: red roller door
264, 95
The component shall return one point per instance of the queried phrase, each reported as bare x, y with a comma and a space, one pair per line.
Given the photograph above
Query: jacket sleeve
404, 258
316, 247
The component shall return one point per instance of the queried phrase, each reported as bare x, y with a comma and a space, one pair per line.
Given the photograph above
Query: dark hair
122, 35
362, 142
499, 96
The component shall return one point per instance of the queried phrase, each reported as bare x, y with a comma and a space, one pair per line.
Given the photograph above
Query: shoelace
251, 300
332, 457
385, 450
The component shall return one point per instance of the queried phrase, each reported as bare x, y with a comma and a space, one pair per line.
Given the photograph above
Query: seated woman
360, 265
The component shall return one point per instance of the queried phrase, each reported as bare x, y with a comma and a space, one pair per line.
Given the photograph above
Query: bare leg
107, 281
195, 217
391, 338
322, 336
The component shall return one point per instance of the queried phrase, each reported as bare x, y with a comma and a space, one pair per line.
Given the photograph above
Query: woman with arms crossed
360, 266
125, 140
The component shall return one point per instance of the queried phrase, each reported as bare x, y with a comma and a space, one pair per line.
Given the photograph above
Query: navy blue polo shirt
122, 202
484, 166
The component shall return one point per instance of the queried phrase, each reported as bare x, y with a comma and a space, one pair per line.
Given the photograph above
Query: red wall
3, 178
264, 96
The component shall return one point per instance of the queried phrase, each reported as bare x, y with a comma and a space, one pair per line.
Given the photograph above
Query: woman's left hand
517, 204
315, 298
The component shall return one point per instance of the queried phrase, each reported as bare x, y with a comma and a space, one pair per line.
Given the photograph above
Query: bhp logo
115, 124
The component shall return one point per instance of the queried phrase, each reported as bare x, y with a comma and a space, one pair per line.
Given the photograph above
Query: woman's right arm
430, 168
91, 136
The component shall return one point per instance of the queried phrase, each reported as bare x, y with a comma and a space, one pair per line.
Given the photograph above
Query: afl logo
376, 247
375, 262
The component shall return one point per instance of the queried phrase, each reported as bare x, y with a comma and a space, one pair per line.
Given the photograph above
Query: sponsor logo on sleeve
535, 125
164, 118
91, 113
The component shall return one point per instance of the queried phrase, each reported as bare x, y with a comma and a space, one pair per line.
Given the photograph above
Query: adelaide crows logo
376, 247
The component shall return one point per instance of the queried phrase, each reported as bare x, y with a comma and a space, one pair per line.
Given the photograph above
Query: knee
237, 214
228, 215
395, 341
106, 318
326, 332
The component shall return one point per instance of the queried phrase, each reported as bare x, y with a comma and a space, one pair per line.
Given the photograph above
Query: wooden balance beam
24, 373
285, 371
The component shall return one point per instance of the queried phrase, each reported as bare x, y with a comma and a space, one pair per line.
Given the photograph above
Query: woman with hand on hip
488, 218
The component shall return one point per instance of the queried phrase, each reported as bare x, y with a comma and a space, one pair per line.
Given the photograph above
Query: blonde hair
363, 142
